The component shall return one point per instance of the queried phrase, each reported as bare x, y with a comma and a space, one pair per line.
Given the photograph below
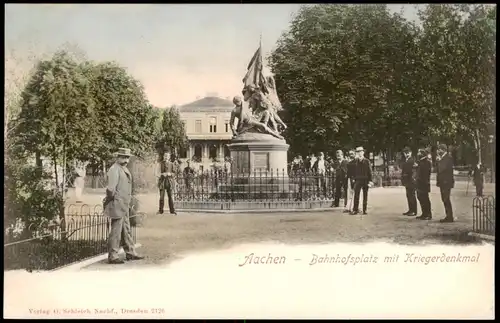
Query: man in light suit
319, 169
445, 180
351, 169
117, 207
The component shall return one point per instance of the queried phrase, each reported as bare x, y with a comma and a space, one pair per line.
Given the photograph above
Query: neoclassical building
207, 127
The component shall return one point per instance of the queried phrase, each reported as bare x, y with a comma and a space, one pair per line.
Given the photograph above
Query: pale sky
179, 52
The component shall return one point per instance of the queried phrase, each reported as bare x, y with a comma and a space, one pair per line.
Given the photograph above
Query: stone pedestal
257, 154
258, 168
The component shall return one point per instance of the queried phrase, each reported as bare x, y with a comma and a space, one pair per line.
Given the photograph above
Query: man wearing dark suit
340, 179
423, 183
477, 174
167, 170
188, 174
445, 180
362, 180
408, 181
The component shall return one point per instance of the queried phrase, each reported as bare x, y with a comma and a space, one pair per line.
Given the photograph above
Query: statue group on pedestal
261, 115
259, 90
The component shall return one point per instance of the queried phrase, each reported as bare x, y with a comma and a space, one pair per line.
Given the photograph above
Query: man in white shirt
319, 167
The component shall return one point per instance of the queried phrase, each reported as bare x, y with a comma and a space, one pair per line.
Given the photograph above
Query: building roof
207, 103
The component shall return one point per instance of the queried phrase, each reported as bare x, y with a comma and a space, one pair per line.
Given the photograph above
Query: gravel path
166, 238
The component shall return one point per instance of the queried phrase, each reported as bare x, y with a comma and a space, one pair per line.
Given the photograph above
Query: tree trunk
5, 122
477, 144
38, 160
384, 160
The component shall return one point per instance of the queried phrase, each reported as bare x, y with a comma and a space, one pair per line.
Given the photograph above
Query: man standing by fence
340, 179
408, 181
445, 180
117, 207
477, 174
166, 172
351, 169
423, 184
188, 174
319, 169
362, 180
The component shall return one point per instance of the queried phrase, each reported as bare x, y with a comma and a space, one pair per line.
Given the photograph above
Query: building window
227, 125
198, 126
213, 124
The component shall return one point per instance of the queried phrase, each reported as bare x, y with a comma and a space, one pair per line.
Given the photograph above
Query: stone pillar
255, 153
221, 152
204, 154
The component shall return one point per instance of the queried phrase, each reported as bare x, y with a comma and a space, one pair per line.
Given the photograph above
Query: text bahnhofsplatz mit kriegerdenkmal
355, 259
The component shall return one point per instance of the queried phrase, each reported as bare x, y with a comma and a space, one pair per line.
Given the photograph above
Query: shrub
31, 200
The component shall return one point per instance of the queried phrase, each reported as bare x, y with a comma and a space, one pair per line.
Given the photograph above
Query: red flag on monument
254, 75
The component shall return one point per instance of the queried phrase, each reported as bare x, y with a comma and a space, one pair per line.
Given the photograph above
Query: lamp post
491, 142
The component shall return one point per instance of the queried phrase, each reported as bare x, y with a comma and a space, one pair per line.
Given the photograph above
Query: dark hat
406, 149
123, 152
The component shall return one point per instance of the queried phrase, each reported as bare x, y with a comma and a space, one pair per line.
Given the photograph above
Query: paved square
165, 238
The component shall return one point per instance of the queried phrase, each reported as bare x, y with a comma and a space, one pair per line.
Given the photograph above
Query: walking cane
350, 201
351, 191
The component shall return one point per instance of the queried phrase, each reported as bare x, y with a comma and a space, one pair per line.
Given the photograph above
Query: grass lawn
166, 238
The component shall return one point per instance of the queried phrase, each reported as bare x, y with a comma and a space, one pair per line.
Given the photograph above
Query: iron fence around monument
81, 235
273, 185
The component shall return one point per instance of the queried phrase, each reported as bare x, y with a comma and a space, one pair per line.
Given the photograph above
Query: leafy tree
56, 121
57, 113
343, 73
172, 134
30, 200
124, 116
17, 74
477, 111
458, 72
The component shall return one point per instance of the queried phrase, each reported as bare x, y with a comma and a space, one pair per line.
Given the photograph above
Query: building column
221, 152
190, 151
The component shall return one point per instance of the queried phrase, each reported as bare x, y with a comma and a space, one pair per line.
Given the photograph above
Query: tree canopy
172, 132
125, 117
83, 111
361, 75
